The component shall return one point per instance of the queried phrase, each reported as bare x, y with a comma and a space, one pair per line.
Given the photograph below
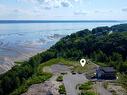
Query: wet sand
22, 50
7, 62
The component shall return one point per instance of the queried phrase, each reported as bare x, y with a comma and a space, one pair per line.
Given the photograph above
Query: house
106, 73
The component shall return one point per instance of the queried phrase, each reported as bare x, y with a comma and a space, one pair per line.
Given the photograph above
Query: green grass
20, 62
59, 79
55, 61
122, 79
88, 93
62, 89
86, 86
88, 67
101, 64
75, 64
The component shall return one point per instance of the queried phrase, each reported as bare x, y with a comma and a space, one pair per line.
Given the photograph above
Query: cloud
76, 0
103, 11
10, 12
47, 7
39, 9
65, 4
41, 1
80, 13
124, 10
48, 4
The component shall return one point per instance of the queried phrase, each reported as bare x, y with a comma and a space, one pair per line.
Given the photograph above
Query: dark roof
108, 69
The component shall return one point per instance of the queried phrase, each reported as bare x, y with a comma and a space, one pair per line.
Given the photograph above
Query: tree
101, 57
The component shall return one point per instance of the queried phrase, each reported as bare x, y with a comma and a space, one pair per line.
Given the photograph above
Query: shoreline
9, 62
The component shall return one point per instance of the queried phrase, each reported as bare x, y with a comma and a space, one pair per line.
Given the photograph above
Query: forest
106, 45
101, 44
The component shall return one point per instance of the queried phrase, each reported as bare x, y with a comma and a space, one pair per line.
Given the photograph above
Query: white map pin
82, 62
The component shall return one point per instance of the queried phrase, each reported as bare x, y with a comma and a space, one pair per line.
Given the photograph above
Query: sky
63, 9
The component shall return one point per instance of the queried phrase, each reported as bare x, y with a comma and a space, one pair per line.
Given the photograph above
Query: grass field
75, 64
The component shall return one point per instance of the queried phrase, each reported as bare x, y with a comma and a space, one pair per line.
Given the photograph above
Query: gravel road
101, 90
70, 82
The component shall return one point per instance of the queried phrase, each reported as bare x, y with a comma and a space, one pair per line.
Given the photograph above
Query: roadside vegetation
33, 80
122, 79
62, 90
87, 93
86, 86
105, 84
59, 79
86, 89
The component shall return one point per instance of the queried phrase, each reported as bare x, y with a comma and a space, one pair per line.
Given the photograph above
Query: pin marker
82, 62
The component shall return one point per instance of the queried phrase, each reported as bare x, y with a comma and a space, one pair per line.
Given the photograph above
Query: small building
106, 73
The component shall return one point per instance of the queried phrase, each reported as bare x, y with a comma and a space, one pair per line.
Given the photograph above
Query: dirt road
70, 81
101, 90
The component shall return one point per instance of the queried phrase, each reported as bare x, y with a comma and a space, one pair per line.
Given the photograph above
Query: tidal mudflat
18, 46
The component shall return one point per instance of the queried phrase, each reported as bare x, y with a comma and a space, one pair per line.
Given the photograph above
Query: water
22, 40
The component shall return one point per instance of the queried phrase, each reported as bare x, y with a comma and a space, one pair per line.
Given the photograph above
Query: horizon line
56, 21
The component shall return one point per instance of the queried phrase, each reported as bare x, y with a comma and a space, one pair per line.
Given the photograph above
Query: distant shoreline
59, 21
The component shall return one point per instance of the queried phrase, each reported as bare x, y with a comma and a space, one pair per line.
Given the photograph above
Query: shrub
88, 93
85, 86
62, 89
60, 78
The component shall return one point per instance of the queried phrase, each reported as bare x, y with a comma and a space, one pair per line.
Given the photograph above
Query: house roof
108, 69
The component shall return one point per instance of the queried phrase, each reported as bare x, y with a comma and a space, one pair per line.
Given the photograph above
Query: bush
122, 79
60, 78
62, 89
85, 86
88, 93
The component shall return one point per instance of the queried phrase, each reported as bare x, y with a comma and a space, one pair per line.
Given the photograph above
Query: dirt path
101, 90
